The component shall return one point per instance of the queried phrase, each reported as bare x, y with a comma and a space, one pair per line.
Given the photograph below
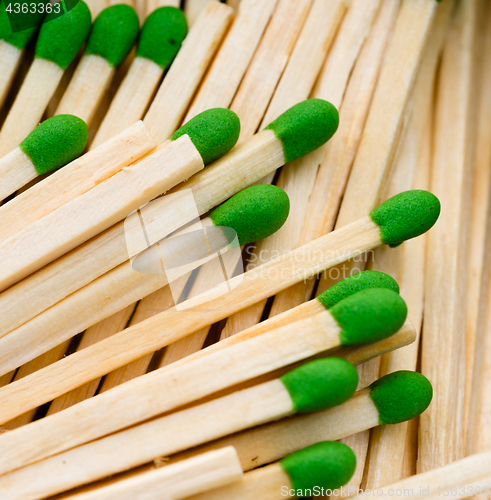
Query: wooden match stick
137, 341
155, 4
115, 198
193, 9
444, 325
160, 39
178, 481
96, 7
54, 143
233, 57
179, 86
54, 53
312, 387
112, 36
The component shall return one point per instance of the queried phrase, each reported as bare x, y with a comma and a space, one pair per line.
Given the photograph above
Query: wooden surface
25, 114
10, 58
155, 4
16, 170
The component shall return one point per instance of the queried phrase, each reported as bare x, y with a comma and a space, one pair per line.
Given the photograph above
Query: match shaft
10, 57
16, 170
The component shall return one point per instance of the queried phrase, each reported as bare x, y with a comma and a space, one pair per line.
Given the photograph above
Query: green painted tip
254, 213
406, 215
321, 384
370, 315
62, 35
401, 396
305, 127
354, 284
56, 142
327, 465
113, 34
19, 29
162, 35
213, 132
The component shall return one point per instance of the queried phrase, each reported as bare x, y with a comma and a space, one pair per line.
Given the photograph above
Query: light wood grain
96, 6
441, 428
230, 64
192, 9
10, 58
74, 179
178, 481
16, 170
98, 209
155, 4
181, 82
86, 88
268, 63
25, 114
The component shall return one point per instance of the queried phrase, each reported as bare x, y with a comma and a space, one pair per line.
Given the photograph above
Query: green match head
56, 142
113, 34
18, 29
305, 127
213, 132
162, 35
401, 396
370, 315
327, 465
254, 213
62, 36
406, 215
321, 384
354, 284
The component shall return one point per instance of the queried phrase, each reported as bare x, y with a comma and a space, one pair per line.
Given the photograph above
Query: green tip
406, 215
56, 142
321, 384
401, 396
113, 34
18, 29
62, 35
254, 213
305, 127
370, 315
213, 132
354, 284
162, 35
327, 465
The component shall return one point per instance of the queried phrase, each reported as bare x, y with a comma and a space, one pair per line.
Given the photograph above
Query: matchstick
241, 167
291, 267
74, 179
181, 82
441, 430
323, 467
155, 4
54, 143
53, 54
368, 408
115, 198
190, 477
312, 387
160, 40
233, 57
193, 9
112, 36
96, 7
299, 177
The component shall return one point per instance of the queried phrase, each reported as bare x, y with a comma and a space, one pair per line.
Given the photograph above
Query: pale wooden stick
74, 179
174, 95
31, 101
96, 6
127, 2
155, 4
234, 3
480, 208
299, 178
268, 63
192, 9
178, 481
407, 264
86, 88
227, 70
16, 170
10, 58
98, 209
441, 428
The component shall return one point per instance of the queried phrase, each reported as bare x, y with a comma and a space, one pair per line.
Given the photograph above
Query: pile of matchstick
94, 358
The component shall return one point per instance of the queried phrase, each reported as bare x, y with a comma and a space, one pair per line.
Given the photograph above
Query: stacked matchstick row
244, 249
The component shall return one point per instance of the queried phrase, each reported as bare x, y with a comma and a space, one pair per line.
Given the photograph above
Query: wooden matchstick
54, 143
96, 7
54, 53
193, 9
155, 4
156, 49
178, 481
291, 267
112, 36
179, 86
444, 325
